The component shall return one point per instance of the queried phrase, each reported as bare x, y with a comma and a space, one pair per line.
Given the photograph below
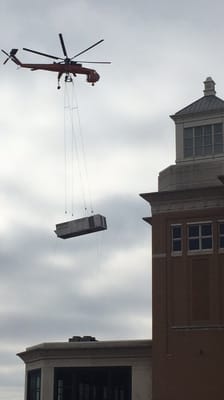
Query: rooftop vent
82, 339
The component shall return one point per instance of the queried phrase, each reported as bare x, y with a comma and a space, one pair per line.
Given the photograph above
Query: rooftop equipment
81, 226
82, 339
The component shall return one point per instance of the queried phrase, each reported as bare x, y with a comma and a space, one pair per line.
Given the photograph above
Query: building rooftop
87, 349
206, 104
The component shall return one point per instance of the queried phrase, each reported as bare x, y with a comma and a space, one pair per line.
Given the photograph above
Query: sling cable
76, 173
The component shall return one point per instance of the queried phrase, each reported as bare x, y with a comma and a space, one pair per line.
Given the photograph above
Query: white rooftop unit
81, 226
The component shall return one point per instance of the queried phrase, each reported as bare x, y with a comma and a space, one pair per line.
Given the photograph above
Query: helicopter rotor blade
95, 44
94, 62
42, 54
63, 45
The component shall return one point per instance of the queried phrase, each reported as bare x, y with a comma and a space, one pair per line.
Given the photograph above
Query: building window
221, 235
92, 383
203, 140
60, 389
34, 382
176, 231
200, 236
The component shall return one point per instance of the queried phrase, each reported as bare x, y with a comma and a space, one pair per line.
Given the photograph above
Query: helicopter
66, 66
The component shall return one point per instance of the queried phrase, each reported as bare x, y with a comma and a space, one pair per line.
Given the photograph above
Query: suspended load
81, 226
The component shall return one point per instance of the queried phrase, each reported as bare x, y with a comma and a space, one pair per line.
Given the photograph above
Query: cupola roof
209, 103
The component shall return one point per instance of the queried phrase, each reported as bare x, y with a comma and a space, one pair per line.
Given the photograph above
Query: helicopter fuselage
68, 68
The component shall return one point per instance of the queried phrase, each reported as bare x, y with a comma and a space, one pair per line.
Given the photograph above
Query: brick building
188, 258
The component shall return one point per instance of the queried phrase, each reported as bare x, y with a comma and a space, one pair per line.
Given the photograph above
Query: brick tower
188, 258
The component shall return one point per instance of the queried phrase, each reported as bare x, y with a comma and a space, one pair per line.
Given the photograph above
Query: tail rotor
9, 55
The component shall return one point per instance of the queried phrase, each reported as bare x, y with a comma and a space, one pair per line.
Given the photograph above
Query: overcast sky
97, 284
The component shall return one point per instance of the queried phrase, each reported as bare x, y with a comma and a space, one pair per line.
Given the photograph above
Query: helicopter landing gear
68, 78
59, 77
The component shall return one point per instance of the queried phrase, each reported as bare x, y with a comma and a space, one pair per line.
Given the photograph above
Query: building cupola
199, 143
209, 87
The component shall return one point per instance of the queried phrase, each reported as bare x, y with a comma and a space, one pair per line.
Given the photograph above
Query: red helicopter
67, 66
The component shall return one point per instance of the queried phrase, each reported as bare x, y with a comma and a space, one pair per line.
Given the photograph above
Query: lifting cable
74, 152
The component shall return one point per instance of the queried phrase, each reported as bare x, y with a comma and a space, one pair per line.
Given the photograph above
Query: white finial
209, 87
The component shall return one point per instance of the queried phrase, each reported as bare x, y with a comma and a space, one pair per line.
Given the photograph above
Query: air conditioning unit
81, 226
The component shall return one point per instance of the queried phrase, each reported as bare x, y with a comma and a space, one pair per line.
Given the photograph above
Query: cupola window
203, 140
